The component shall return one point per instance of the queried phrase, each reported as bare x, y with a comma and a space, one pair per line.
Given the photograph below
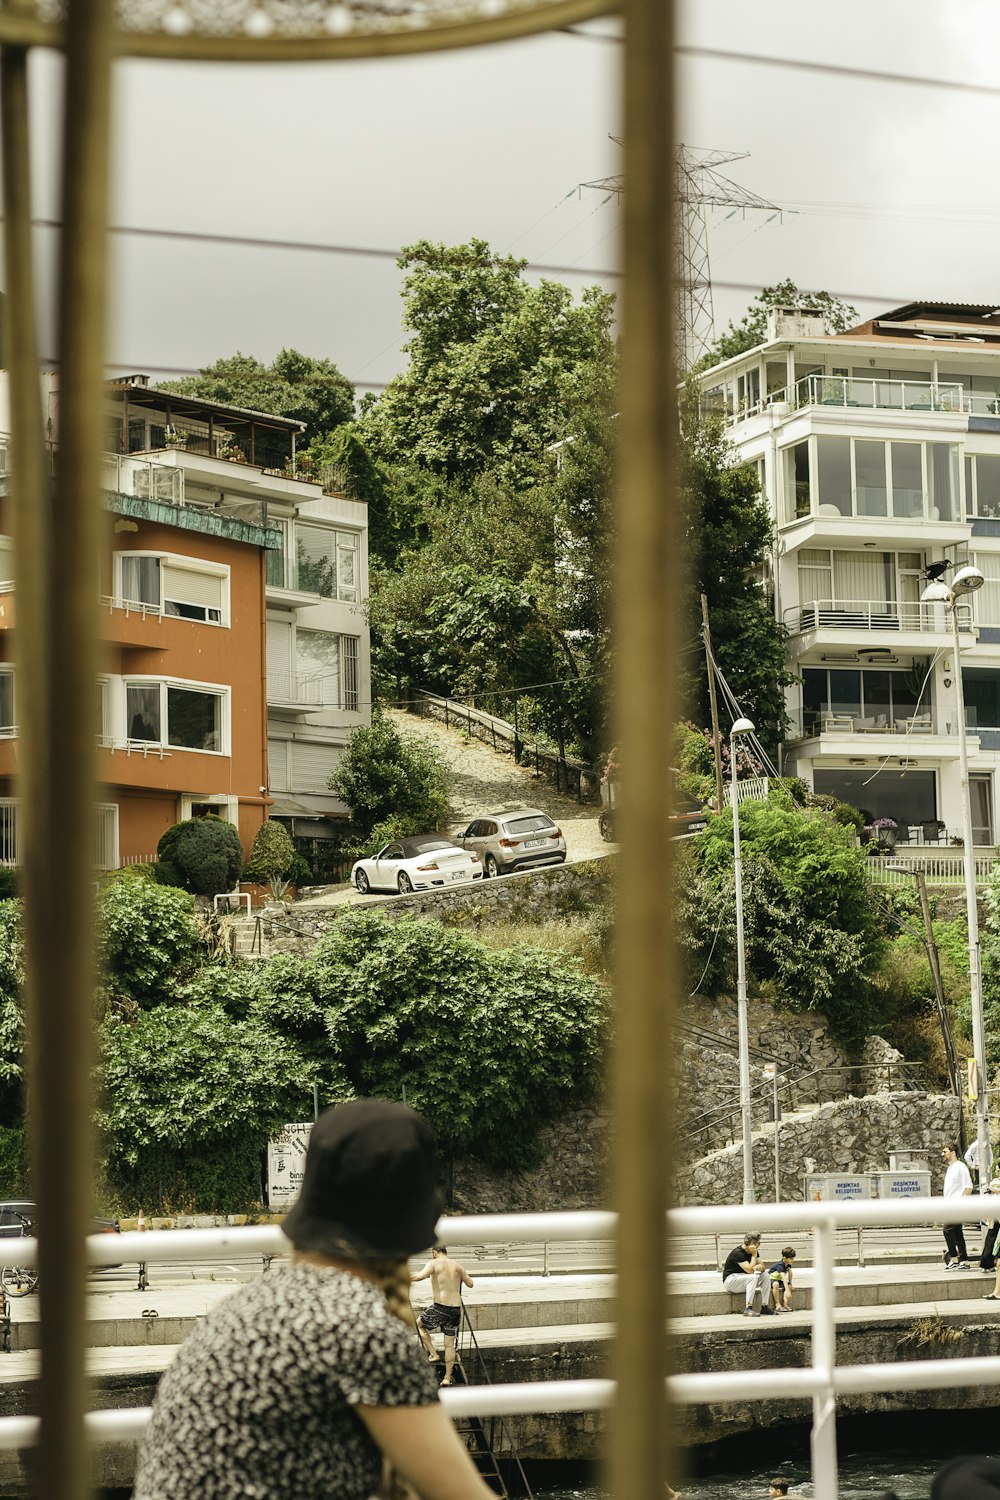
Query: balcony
290, 694
855, 393
838, 616
900, 732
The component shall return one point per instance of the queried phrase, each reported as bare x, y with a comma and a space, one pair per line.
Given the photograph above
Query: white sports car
416, 864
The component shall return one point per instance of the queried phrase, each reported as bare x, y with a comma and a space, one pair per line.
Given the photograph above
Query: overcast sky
890, 190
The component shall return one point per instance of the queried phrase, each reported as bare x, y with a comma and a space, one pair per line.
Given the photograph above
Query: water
863, 1476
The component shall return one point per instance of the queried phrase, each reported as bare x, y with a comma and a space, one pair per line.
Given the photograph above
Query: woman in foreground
309, 1383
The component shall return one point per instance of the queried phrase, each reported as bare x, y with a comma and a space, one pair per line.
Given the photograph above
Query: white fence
752, 789
939, 869
821, 1380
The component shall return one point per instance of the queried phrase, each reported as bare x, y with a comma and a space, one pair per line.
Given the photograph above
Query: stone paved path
484, 781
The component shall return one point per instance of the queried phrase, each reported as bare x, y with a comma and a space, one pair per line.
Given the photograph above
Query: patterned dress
258, 1403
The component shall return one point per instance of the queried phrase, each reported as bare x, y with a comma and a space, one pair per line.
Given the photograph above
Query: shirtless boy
445, 1313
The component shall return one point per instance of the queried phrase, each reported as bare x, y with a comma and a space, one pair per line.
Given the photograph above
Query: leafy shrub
813, 935
381, 774
488, 1044
224, 1177
272, 855
147, 939
9, 881
206, 853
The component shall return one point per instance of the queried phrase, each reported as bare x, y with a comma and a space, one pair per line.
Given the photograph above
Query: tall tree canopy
493, 363
751, 330
295, 385
727, 556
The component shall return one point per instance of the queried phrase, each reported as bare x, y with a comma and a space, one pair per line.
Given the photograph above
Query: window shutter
189, 587
311, 765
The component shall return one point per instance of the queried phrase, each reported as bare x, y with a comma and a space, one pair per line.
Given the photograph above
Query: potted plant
175, 437
230, 449
885, 832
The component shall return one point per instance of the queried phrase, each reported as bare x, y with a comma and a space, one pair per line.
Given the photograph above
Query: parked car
514, 840
416, 864
13, 1210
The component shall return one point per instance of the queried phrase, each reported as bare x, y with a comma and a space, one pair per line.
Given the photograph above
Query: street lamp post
966, 581
742, 726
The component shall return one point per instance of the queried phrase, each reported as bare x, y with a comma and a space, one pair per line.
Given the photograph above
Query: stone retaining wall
553, 892
849, 1135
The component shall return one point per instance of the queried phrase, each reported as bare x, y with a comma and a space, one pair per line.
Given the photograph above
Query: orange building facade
181, 711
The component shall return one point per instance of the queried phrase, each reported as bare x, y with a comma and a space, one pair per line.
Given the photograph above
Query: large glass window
982, 485
869, 467
834, 456
987, 600
193, 716
327, 562
141, 581
796, 482
142, 711
942, 476
907, 480
907, 796
981, 687
862, 701
318, 659
194, 719
6, 703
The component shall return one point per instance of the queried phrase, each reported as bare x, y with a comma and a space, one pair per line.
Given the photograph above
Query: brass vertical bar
645, 648
63, 826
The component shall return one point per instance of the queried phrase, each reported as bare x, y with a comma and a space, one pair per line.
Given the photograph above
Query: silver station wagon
515, 840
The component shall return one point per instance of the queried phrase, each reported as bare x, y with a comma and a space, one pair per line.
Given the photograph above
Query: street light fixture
966, 581
742, 726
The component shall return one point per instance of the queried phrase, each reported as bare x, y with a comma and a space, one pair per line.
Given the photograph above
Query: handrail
871, 614
730, 1108
822, 1380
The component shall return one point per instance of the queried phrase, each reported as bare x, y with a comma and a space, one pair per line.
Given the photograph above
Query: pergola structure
57, 533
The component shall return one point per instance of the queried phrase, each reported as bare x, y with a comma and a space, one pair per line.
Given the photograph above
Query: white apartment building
878, 451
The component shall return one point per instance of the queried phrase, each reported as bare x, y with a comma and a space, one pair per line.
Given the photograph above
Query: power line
309, 247
839, 70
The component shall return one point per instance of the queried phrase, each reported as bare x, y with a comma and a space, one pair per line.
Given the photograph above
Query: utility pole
720, 796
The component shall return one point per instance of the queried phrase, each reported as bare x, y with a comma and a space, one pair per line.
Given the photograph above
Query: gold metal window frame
57, 530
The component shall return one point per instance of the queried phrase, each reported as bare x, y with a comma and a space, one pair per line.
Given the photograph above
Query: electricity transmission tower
697, 187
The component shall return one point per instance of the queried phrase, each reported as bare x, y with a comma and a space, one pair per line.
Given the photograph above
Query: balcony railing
850, 391
869, 614
299, 688
900, 724
144, 478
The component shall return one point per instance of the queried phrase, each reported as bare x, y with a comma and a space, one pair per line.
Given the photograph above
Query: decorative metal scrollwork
275, 30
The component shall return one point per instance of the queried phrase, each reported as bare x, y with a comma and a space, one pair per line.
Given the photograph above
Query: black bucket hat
976, 1478
369, 1191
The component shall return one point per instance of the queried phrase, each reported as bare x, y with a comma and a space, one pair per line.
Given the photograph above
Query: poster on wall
286, 1160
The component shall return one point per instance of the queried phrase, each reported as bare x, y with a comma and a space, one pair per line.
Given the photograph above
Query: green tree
381, 774
492, 364
204, 855
147, 940
271, 856
814, 939
294, 385
751, 330
489, 1044
727, 544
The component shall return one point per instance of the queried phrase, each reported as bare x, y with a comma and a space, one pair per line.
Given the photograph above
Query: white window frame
340, 537
229, 807
217, 689
345, 688
192, 565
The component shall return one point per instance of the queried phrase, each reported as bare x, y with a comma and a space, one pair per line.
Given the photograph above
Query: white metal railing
872, 614
902, 723
942, 869
821, 1380
130, 606
892, 395
299, 688
751, 789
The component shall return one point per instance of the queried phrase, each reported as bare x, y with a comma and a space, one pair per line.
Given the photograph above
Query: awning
307, 805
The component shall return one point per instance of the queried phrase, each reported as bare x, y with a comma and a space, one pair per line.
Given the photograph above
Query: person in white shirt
972, 1159
957, 1184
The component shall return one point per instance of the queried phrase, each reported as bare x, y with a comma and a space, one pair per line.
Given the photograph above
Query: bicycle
19, 1281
